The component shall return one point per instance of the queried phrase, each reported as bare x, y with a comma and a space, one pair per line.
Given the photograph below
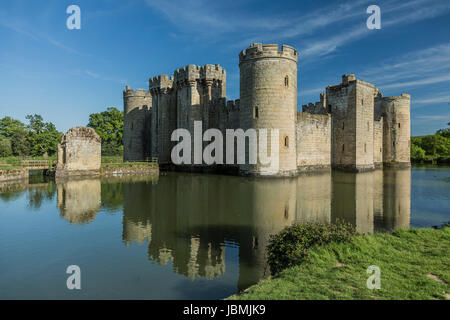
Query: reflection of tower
137, 231
314, 197
272, 206
353, 199
397, 198
373, 201
79, 200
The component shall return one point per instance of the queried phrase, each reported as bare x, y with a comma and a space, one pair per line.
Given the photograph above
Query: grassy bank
414, 264
116, 161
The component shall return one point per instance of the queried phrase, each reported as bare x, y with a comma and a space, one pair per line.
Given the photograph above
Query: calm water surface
188, 236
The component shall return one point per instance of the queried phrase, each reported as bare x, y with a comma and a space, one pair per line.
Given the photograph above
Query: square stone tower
79, 153
351, 104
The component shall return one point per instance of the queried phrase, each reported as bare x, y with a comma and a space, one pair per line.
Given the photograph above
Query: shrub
417, 153
290, 247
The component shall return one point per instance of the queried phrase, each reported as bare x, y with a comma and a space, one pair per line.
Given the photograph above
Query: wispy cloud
98, 76
418, 68
206, 18
17, 28
438, 99
429, 80
397, 14
441, 117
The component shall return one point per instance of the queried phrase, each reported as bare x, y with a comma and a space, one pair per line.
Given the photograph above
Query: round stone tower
396, 129
136, 135
268, 100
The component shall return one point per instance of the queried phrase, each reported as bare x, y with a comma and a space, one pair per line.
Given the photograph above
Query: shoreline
413, 264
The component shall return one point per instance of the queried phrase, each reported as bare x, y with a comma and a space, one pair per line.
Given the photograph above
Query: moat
188, 236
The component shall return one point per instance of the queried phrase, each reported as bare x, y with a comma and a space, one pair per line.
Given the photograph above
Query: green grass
117, 161
414, 264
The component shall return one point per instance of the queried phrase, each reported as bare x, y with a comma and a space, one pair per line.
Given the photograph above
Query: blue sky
66, 74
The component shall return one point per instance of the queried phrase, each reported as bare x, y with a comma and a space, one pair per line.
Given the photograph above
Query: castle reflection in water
189, 220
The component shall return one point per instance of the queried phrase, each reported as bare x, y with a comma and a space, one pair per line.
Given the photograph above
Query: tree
15, 130
5, 147
43, 138
417, 153
444, 132
19, 143
9, 125
109, 126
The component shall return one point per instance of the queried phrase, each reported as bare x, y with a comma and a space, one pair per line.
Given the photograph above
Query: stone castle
353, 127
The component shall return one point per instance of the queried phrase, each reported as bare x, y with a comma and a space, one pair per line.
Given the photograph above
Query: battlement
161, 82
208, 72
315, 108
403, 96
233, 105
259, 50
348, 80
129, 92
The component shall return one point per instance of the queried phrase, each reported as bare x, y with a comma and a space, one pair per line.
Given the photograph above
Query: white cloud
433, 100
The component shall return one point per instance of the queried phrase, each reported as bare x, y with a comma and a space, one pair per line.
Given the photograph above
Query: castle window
362, 102
343, 125
365, 148
286, 81
286, 141
256, 113
399, 124
132, 125
329, 108
368, 126
343, 147
286, 212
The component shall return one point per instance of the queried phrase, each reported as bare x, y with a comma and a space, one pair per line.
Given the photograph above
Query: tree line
37, 138
431, 148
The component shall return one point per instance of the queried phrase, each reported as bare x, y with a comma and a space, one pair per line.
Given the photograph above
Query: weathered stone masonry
352, 127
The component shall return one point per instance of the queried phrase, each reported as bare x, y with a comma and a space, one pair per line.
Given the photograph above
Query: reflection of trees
112, 190
112, 196
40, 193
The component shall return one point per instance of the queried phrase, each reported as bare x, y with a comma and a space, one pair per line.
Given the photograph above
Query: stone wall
313, 133
378, 143
117, 171
14, 174
79, 153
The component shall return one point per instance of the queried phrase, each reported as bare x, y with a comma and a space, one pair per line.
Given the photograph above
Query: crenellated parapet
207, 75
315, 108
160, 84
129, 92
136, 99
259, 50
